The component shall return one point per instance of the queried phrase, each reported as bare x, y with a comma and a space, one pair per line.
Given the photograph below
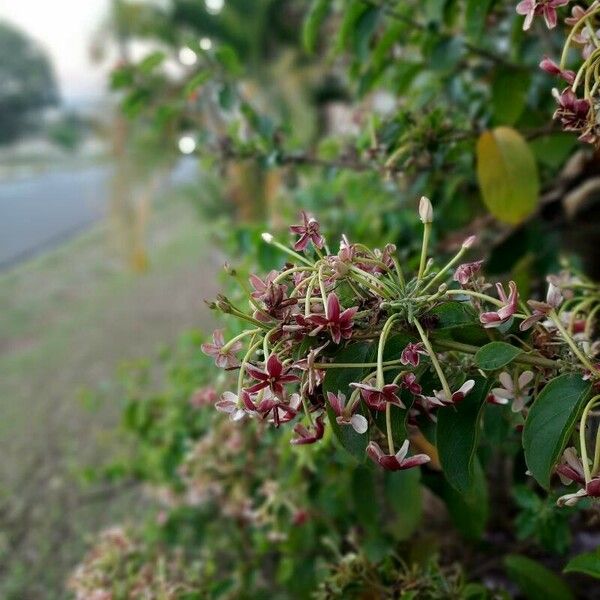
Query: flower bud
267, 237
469, 242
554, 296
425, 210
229, 269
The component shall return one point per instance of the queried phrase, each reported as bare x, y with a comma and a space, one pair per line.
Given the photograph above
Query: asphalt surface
42, 210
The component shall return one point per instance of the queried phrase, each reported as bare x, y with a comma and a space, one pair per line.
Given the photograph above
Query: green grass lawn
68, 319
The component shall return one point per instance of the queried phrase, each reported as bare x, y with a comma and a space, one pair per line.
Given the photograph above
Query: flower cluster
350, 340
120, 565
577, 102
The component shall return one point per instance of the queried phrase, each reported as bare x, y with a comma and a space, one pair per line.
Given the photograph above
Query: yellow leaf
508, 175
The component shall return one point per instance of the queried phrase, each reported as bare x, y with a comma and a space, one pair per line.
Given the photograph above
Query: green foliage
542, 520
587, 563
338, 381
536, 581
496, 355
550, 423
28, 83
355, 577
457, 435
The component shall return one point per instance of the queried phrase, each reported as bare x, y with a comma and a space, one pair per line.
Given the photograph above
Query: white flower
518, 393
229, 404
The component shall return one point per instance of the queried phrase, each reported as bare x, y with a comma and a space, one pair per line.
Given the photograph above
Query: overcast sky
65, 28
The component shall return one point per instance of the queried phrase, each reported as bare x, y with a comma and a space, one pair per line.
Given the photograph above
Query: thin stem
388, 427
434, 360
251, 350
290, 272
376, 285
399, 272
242, 335
596, 465
309, 291
268, 238
479, 295
371, 365
524, 359
424, 245
382, 339
578, 353
322, 288
582, 440
304, 401
446, 268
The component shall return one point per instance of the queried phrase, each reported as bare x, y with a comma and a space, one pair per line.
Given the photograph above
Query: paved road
44, 209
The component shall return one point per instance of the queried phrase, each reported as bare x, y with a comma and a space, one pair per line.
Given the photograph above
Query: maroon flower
497, 318
339, 323
313, 375
572, 112
261, 286
224, 359
546, 8
551, 67
273, 296
274, 376
398, 461
308, 436
271, 408
542, 309
409, 381
309, 231
440, 398
464, 273
410, 354
577, 13
345, 417
230, 405
571, 470
377, 398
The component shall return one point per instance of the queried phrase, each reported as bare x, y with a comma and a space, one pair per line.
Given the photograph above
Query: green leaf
229, 60
363, 495
135, 102
553, 150
469, 512
339, 380
454, 314
352, 14
550, 423
536, 581
475, 16
403, 493
509, 95
588, 563
153, 60
507, 174
315, 17
122, 77
447, 53
496, 355
457, 435
195, 82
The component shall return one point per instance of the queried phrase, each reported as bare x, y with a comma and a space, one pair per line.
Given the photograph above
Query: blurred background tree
28, 84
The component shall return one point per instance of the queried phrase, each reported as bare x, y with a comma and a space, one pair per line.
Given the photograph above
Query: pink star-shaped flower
309, 231
398, 461
546, 8
224, 359
274, 376
378, 398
